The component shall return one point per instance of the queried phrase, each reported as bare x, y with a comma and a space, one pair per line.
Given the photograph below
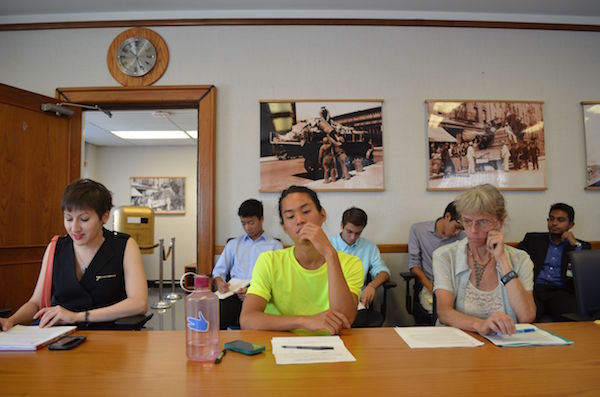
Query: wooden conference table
153, 363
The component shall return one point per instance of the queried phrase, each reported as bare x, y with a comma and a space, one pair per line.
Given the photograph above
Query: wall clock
137, 57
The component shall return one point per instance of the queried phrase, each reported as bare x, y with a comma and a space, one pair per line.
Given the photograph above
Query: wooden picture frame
471, 142
326, 145
591, 124
163, 194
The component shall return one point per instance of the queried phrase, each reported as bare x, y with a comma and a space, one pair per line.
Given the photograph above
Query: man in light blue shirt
349, 241
238, 258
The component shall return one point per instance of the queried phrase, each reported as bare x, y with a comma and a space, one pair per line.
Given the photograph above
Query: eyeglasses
479, 223
557, 219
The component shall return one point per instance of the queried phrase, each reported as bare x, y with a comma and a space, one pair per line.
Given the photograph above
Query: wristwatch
508, 276
577, 245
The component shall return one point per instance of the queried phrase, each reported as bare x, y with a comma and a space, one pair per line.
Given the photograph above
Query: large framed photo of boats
470, 142
591, 122
326, 145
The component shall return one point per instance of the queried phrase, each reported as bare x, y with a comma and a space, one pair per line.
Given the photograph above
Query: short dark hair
564, 207
87, 194
299, 189
451, 209
250, 208
355, 216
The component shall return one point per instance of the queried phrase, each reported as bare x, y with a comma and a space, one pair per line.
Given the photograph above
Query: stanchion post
173, 296
161, 304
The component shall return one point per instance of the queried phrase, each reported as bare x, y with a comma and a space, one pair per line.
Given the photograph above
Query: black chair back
586, 280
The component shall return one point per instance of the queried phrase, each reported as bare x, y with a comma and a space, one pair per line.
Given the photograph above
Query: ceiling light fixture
151, 134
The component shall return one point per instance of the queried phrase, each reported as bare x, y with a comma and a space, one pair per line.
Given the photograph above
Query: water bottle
202, 322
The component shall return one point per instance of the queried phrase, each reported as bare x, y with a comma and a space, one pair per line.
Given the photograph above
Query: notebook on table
21, 337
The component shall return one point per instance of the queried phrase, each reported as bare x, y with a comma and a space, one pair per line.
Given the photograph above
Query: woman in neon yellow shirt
309, 285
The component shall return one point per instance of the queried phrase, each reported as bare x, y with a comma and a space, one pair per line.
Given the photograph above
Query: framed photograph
470, 142
591, 122
326, 145
164, 194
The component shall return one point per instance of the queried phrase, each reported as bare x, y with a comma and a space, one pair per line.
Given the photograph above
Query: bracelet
87, 316
508, 276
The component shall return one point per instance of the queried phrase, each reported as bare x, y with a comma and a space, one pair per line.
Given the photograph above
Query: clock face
136, 56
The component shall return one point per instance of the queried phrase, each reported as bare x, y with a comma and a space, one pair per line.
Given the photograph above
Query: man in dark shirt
553, 280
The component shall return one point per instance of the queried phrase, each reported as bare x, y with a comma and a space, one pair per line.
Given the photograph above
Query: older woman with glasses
480, 283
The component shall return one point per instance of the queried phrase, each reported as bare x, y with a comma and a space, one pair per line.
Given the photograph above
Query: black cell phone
67, 342
241, 346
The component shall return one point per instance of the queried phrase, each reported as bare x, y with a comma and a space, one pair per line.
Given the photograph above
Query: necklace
478, 268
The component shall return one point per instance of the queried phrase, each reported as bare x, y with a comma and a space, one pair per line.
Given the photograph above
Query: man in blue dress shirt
553, 280
349, 241
238, 258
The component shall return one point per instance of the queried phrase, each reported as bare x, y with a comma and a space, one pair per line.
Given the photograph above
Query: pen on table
519, 331
308, 347
220, 357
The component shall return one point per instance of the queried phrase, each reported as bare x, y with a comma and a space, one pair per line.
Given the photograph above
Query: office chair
131, 323
371, 317
412, 300
5, 312
586, 280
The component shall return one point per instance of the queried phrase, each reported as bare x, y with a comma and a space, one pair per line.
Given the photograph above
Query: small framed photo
471, 142
164, 194
591, 122
326, 145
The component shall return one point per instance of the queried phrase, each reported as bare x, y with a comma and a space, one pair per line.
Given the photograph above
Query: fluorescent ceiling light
151, 134
193, 134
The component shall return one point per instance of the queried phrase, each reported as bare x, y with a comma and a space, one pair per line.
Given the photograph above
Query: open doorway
148, 144
203, 99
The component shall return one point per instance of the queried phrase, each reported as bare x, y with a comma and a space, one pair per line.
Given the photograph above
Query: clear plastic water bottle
202, 322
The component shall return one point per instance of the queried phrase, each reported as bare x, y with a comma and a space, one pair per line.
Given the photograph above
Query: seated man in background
553, 280
349, 241
238, 258
424, 238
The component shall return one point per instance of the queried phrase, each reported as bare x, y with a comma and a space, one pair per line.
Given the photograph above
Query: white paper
538, 337
21, 337
339, 353
234, 285
430, 337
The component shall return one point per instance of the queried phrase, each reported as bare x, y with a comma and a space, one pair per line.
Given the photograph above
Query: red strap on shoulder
47, 289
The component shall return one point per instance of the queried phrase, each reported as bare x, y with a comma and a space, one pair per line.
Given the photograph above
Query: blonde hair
481, 198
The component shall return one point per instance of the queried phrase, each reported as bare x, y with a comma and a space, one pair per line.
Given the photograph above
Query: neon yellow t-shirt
291, 290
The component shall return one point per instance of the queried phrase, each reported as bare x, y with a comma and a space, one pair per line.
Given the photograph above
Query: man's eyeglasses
558, 219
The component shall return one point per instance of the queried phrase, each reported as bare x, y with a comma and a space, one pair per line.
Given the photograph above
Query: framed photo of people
326, 145
165, 195
591, 122
470, 142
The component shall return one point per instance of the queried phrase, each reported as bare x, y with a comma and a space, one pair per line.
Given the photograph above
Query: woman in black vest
97, 274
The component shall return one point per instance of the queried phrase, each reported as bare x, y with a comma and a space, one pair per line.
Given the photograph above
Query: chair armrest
408, 276
389, 284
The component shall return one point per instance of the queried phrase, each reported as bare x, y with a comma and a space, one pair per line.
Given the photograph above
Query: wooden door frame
202, 97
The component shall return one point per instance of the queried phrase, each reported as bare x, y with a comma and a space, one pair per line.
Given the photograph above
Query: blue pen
522, 331
519, 331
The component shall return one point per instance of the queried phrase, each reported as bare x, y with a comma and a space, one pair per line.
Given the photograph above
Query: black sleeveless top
102, 284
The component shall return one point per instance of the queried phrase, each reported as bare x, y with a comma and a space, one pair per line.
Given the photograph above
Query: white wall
401, 65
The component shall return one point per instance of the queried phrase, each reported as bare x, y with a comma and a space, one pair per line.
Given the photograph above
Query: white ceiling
98, 126
559, 11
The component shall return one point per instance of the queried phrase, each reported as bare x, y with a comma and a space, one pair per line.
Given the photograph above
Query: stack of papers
234, 285
22, 337
528, 335
430, 337
310, 349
